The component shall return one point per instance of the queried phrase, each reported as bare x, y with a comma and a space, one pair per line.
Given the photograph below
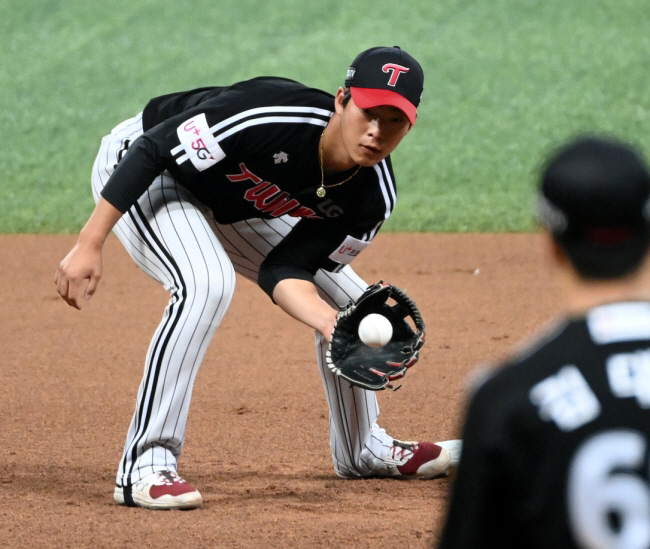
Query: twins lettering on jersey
268, 198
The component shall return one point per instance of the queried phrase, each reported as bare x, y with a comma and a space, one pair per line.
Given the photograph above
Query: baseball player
555, 442
282, 183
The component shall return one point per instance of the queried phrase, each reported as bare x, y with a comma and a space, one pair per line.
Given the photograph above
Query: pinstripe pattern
355, 437
167, 234
174, 239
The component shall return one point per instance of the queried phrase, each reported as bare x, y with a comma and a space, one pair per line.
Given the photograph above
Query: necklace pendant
320, 192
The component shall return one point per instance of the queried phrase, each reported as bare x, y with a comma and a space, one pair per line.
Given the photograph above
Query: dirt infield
257, 441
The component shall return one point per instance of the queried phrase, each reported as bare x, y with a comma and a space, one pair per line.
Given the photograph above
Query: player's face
370, 135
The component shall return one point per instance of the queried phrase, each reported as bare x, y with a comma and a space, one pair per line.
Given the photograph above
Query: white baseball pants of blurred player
172, 238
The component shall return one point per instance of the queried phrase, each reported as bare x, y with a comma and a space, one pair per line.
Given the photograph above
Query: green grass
505, 81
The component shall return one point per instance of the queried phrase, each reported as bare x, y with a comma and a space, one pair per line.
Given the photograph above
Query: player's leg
353, 412
359, 446
168, 236
355, 437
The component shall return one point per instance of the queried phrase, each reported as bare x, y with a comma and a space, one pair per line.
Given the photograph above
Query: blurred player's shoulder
517, 357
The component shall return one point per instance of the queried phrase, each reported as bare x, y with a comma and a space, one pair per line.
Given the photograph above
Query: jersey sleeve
133, 174
314, 245
166, 146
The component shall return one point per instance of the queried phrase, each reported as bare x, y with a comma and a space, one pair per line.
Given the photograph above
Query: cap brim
366, 98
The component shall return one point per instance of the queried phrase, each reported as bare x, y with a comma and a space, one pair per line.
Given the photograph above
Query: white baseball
375, 330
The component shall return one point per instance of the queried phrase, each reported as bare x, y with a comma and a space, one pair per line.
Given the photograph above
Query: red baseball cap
386, 76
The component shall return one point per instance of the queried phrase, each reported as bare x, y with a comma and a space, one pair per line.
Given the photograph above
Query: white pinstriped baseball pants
171, 237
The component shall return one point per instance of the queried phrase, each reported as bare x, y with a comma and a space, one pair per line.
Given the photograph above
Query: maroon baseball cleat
422, 460
163, 490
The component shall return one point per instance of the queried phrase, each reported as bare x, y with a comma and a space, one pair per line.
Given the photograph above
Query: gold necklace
320, 192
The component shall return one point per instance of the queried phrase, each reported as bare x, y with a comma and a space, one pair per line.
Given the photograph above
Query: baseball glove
374, 368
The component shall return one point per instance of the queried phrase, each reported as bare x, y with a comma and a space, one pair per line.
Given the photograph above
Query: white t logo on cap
395, 71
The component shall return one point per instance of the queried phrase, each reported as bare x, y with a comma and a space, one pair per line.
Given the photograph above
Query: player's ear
339, 100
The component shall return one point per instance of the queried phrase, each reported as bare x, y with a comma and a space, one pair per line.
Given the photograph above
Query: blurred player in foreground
555, 441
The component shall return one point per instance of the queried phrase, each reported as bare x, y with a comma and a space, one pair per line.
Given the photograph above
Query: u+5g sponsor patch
349, 249
200, 146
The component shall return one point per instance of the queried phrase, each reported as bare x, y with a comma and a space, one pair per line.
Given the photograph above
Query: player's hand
78, 274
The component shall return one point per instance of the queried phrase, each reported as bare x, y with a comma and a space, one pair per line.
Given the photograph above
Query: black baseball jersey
555, 443
251, 150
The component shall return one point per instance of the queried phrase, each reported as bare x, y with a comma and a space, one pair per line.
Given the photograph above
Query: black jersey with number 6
555, 442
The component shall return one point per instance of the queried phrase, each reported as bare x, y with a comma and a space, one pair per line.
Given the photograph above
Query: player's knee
213, 287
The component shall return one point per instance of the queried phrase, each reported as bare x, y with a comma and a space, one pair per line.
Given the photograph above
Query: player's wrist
328, 327
99, 225
91, 239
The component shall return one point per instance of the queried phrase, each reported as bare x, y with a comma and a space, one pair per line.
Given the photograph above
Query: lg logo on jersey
330, 209
268, 198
